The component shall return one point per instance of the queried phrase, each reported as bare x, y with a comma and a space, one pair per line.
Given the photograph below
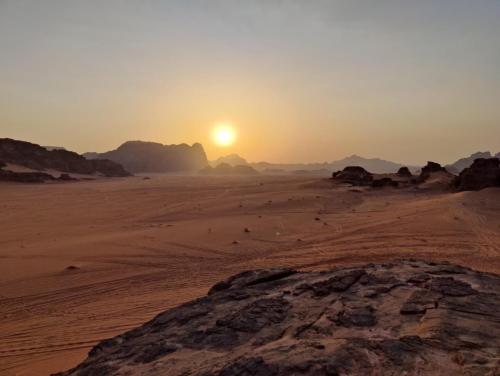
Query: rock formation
466, 162
231, 159
481, 174
226, 169
139, 156
354, 175
404, 318
384, 182
39, 158
404, 172
428, 169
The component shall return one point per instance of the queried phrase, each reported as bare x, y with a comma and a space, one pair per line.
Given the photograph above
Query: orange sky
301, 81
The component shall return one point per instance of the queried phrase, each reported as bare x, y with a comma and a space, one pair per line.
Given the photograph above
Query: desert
85, 261
249, 188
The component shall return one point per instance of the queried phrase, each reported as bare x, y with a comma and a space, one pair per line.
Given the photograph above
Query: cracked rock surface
404, 318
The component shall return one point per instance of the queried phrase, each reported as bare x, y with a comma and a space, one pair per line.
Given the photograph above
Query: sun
223, 134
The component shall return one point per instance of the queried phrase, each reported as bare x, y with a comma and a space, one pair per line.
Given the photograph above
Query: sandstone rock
428, 169
407, 317
140, 156
404, 172
39, 158
354, 175
481, 174
384, 182
25, 177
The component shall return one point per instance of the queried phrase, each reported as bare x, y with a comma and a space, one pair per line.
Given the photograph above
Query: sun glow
224, 134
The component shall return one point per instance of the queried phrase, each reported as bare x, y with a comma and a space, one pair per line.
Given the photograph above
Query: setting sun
224, 134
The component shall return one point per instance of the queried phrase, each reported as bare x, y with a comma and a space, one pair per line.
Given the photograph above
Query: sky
300, 81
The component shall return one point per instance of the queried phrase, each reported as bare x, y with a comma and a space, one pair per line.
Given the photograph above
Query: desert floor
142, 246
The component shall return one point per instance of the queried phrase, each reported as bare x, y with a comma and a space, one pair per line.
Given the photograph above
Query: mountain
466, 162
374, 165
231, 159
400, 318
227, 169
140, 156
37, 157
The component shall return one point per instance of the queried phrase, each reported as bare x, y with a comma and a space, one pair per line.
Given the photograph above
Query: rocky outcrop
226, 169
39, 158
481, 174
404, 172
429, 169
466, 162
384, 182
139, 156
354, 175
409, 317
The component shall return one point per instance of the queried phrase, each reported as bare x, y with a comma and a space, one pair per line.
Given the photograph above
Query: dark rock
384, 182
428, 169
39, 158
481, 174
404, 172
67, 177
354, 175
25, 177
281, 322
450, 286
140, 156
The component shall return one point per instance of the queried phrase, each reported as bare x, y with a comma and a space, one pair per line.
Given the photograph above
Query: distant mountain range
140, 156
466, 162
375, 165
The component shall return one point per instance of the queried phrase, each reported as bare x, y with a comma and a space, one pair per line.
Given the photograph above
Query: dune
140, 247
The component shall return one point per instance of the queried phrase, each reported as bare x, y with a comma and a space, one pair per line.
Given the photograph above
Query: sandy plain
143, 246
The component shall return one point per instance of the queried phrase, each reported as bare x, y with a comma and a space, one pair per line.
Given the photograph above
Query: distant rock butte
37, 157
226, 169
483, 173
231, 159
140, 156
407, 317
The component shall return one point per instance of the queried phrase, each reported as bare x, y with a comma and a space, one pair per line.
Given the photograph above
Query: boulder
483, 173
407, 317
354, 175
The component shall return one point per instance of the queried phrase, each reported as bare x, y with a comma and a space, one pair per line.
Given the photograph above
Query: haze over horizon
300, 82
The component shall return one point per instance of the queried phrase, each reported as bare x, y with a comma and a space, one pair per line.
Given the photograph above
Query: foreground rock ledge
405, 318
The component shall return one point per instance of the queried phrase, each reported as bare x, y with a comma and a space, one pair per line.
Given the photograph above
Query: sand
142, 246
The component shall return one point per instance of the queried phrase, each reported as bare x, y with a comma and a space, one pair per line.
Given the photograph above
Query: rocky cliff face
39, 158
481, 174
139, 156
409, 317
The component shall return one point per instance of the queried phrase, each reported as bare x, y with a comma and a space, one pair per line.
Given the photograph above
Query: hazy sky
301, 80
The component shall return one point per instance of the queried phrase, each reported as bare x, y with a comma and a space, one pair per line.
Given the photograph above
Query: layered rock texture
140, 156
39, 158
405, 318
483, 173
